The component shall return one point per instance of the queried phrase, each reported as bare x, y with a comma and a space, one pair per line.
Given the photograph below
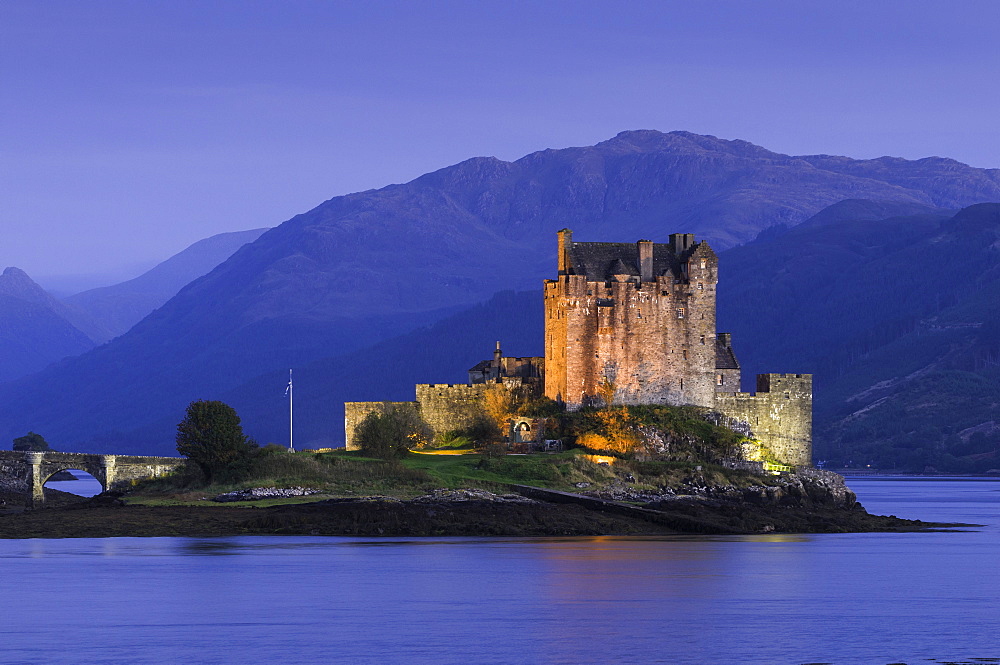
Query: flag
288, 388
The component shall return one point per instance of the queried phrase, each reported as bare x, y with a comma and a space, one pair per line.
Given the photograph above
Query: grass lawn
344, 473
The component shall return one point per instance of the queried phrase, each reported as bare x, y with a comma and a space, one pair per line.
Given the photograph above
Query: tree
211, 436
389, 432
502, 402
31, 442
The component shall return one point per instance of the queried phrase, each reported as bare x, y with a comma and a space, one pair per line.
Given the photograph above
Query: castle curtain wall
779, 415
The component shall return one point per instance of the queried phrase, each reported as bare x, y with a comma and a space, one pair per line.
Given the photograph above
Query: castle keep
638, 318
641, 316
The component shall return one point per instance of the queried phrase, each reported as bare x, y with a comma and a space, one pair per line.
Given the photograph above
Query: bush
390, 432
453, 439
211, 436
543, 407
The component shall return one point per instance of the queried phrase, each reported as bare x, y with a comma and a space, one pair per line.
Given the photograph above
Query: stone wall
779, 415
655, 340
727, 380
447, 406
355, 412
442, 406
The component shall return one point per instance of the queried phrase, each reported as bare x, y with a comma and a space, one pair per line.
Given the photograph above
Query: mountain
34, 329
898, 320
121, 306
438, 353
369, 266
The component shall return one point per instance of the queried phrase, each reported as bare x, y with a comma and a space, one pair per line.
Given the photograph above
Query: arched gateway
27, 472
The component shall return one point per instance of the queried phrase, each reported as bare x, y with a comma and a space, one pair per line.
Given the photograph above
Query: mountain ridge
120, 306
35, 328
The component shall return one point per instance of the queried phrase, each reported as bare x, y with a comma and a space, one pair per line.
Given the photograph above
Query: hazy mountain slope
365, 267
121, 306
34, 331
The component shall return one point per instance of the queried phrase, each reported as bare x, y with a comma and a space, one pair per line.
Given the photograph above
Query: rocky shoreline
820, 504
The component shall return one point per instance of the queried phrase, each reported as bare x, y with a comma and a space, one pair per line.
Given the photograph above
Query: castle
639, 319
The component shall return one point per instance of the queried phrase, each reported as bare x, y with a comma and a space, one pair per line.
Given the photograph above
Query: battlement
449, 388
778, 415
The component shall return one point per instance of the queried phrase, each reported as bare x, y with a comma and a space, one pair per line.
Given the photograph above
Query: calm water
84, 485
857, 598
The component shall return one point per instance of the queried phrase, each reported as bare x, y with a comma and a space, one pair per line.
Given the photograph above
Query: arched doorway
74, 481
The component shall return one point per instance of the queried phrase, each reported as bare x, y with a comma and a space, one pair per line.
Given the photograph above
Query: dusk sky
129, 130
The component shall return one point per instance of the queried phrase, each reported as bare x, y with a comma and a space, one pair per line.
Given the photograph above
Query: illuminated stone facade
640, 318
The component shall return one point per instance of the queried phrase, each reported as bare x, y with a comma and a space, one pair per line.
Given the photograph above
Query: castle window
704, 264
685, 352
638, 314
680, 312
702, 339
664, 293
682, 384
720, 379
701, 287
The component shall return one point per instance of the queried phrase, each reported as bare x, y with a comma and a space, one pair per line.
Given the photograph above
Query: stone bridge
26, 473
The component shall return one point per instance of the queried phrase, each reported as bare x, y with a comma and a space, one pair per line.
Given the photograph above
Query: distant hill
121, 306
34, 328
369, 266
897, 318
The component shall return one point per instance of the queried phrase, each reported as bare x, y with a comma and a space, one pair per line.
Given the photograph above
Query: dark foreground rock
444, 515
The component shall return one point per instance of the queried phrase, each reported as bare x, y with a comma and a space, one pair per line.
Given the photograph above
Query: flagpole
291, 448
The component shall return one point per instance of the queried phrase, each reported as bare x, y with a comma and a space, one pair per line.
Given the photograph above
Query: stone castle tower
642, 317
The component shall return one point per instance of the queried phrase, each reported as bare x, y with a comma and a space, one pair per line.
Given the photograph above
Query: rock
445, 495
258, 493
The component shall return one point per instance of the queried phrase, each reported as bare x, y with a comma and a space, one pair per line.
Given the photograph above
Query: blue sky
131, 129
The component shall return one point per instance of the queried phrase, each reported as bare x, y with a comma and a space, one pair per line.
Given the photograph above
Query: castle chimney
497, 355
645, 260
681, 242
565, 242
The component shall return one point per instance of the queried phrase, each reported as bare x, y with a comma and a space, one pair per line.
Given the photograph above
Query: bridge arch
50, 469
85, 483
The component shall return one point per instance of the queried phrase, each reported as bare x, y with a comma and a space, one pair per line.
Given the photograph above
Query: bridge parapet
27, 472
